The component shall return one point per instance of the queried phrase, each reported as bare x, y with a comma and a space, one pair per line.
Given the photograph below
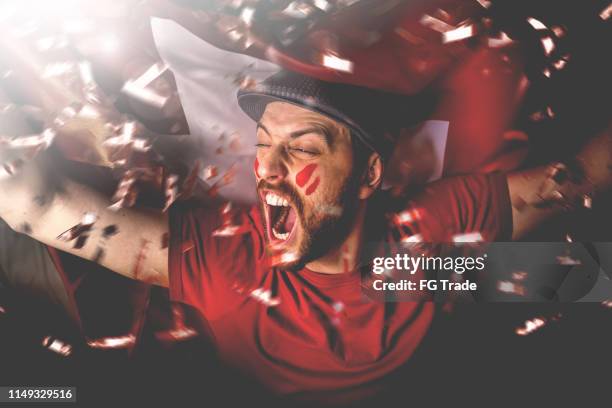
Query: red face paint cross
303, 177
256, 167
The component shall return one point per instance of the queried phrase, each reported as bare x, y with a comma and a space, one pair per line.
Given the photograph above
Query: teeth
278, 235
273, 199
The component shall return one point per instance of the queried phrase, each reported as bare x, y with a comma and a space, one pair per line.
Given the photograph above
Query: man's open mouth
281, 217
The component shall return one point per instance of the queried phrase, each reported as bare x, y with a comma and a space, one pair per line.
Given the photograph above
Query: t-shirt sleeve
473, 204
208, 262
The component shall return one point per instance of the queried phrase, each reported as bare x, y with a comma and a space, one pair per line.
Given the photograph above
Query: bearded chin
325, 231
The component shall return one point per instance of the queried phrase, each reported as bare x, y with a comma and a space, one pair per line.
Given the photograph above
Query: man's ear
372, 176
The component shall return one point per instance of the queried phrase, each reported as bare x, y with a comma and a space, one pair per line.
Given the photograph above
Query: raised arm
41, 203
541, 193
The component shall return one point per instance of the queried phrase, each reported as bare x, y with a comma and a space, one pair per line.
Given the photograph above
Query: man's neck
344, 257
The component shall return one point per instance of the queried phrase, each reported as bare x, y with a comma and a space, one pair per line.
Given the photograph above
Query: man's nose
271, 165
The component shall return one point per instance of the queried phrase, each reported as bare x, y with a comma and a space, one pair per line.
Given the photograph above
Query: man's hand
39, 201
541, 193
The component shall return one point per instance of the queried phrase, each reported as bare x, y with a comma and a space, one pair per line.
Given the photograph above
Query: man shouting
280, 283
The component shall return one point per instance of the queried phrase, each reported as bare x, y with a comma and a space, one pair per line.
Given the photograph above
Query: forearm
126, 241
544, 192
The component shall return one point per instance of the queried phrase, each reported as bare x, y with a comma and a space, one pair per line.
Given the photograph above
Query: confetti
247, 14
501, 41
530, 326
28, 146
407, 217
412, 239
587, 201
120, 342
126, 193
537, 24
171, 190
338, 307
519, 276
484, 3
265, 297
606, 13
283, 258
57, 346
138, 88
510, 287
180, 334
458, 34
337, 63
469, 237
568, 260
210, 172
435, 24
79, 232
298, 10
190, 181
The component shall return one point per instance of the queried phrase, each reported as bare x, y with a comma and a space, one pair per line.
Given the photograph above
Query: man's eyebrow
316, 129
261, 125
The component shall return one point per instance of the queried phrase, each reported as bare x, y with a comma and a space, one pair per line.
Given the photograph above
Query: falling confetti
435, 24
171, 190
568, 260
79, 232
519, 276
587, 201
511, 287
139, 88
337, 63
120, 342
407, 217
283, 258
265, 297
57, 346
530, 326
469, 237
458, 34
180, 334
606, 13
210, 172
126, 193
416, 238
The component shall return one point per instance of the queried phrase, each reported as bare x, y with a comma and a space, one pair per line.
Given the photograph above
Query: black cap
375, 117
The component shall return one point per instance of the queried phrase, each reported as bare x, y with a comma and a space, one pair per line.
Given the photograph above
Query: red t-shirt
306, 331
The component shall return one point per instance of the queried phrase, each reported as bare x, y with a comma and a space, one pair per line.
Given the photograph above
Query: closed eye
297, 149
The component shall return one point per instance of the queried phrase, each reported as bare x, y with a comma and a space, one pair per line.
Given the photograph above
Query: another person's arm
541, 193
43, 204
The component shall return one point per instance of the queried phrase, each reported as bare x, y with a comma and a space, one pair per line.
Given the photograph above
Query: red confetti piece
210, 172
